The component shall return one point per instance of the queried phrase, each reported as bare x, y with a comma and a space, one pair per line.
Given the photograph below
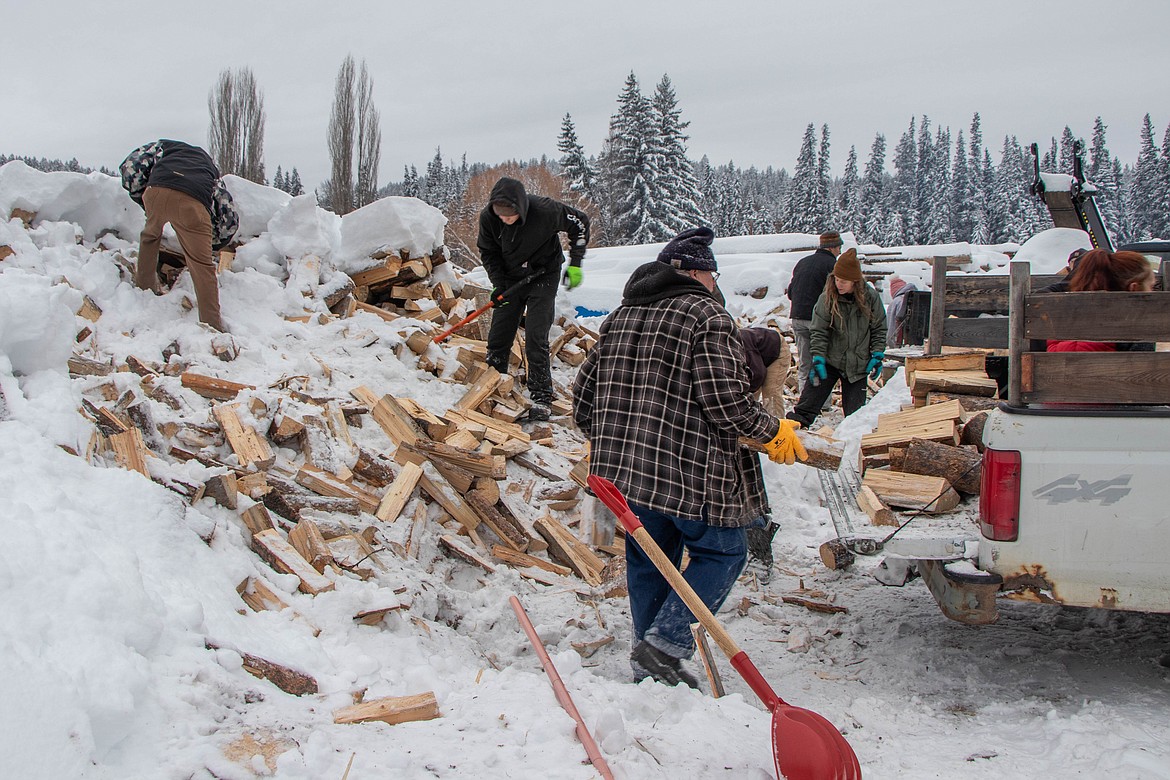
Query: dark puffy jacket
533, 244
176, 165
808, 282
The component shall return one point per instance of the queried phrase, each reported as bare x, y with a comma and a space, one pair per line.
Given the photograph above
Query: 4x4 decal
1072, 488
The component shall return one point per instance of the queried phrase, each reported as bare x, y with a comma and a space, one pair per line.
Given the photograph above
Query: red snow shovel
805, 745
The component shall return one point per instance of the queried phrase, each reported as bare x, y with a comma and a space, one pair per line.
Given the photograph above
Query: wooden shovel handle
612, 498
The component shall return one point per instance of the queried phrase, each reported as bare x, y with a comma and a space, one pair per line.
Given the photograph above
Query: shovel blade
806, 746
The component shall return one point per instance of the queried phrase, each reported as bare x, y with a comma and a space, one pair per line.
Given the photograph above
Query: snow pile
93, 201
1048, 250
255, 204
389, 225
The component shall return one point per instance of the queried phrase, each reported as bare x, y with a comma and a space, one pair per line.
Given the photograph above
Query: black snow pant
813, 397
536, 304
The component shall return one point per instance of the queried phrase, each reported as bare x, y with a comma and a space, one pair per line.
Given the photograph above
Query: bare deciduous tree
369, 141
353, 115
236, 130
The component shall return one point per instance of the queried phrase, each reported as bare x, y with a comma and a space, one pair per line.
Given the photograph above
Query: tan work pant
192, 224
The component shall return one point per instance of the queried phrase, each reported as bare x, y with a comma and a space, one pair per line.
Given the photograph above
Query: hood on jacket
656, 281
511, 192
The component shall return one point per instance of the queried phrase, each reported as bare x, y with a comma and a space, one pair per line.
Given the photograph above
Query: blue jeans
717, 556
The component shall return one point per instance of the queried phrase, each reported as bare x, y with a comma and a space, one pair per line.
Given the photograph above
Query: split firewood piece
965, 382
459, 478
222, 489
419, 342
533, 462
511, 448
970, 403
253, 485
704, 651
289, 503
912, 491
961, 467
391, 709
375, 615
461, 549
325, 484
478, 463
249, 446
524, 560
387, 271
257, 595
390, 415
588, 649
210, 387
287, 679
373, 469
275, 550
498, 431
462, 438
256, 519
570, 550
559, 491
815, 606
83, 366
957, 361
130, 451
509, 532
824, 454
323, 451
388, 316
879, 513
926, 415
438, 488
399, 492
522, 511
89, 309
580, 472
479, 392
880, 441
418, 524
307, 540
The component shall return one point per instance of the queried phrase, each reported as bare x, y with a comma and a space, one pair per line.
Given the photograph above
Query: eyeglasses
715, 275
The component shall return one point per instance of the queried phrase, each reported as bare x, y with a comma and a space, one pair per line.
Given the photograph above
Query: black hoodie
533, 244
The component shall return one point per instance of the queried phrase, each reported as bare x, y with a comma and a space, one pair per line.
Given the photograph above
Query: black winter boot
664, 668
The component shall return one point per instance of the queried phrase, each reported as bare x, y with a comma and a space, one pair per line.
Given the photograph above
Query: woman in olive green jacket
847, 338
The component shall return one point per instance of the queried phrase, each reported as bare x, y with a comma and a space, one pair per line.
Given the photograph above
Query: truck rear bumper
963, 593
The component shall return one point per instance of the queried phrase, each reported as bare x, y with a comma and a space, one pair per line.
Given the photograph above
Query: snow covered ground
112, 588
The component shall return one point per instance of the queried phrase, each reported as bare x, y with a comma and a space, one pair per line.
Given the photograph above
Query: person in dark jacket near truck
808, 282
663, 398
178, 183
519, 239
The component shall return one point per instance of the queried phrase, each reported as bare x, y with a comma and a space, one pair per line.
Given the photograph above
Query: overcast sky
93, 80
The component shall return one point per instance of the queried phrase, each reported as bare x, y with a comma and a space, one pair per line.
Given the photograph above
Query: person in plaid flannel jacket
663, 398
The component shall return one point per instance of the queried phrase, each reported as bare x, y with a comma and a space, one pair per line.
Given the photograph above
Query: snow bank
389, 225
1048, 250
94, 201
255, 203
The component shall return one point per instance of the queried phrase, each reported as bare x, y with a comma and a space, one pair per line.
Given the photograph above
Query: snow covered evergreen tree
1068, 146
1100, 173
823, 203
630, 170
410, 185
962, 221
979, 173
901, 195
873, 195
1147, 188
800, 215
576, 170
680, 199
278, 180
848, 211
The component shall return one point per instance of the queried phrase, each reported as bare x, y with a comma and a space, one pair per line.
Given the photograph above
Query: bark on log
960, 467
972, 432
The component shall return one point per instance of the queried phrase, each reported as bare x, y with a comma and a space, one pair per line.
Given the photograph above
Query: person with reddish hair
1098, 270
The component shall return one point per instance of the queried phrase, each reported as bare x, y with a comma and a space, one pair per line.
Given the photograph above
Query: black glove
498, 298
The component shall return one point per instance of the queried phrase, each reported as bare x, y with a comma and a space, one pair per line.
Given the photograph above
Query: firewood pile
312, 493
928, 456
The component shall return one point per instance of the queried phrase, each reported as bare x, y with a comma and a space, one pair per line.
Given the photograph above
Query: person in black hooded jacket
519, 239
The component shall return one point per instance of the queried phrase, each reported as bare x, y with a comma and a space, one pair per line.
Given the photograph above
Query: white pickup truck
1072, 508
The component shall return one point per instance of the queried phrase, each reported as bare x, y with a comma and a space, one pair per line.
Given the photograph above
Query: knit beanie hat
830, 239
690, 250
848, 267
896, 285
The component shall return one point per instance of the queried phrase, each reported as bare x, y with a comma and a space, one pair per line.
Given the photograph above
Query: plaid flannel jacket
663, 396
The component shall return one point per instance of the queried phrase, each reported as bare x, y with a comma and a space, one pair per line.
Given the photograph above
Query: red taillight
999, 495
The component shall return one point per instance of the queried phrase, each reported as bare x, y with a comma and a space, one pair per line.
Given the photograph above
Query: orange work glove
785, 447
